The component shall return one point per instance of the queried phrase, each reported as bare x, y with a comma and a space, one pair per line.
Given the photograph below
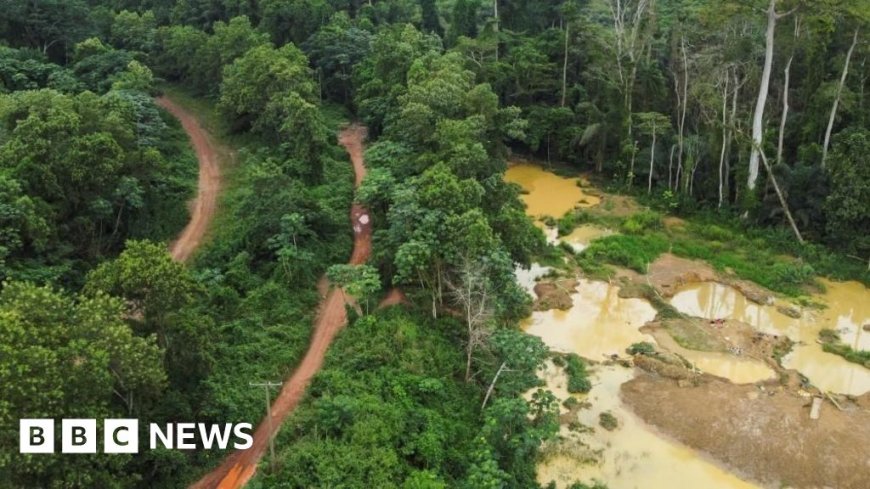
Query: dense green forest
750, 112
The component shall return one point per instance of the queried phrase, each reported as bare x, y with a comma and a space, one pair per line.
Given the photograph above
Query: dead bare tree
470, 290
785, 89
837, 99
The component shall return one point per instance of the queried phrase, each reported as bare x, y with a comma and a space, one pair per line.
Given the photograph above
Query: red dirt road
238, 468
205, 204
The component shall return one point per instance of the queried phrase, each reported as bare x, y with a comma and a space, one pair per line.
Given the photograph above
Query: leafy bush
608, 421
630, 251
641, 348
578, 377
642, 221
794, 273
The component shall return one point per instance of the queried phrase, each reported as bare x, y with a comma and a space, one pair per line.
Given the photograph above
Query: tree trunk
565, 64
468, 353
781, 197
495, 27
837, 100
785, 107
733, 118
785, 88
684, 101
724, 137
758, 116
492, 385
652, 158
671, 167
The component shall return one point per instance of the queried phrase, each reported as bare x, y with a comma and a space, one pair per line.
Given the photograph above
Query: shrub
570, 402
608, 421
794, 273
630, 251
578, 377
642, 221
641, 348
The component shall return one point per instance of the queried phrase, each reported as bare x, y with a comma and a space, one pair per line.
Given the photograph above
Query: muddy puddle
739, 370
582, 236
631, 456
848, 309
548, 194
599, 323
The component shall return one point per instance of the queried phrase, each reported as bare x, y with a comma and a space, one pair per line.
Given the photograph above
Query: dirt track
238, 468
205, 203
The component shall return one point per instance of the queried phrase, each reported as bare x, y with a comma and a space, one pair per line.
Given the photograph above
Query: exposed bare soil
238, 468
205, 203
723, 336
554, 294
765, 433
670, 272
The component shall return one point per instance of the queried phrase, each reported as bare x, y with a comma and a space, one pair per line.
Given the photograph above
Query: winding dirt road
238, 468
205, 203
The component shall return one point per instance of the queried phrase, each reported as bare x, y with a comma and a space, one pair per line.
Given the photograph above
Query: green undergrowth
770, 257
578, 376
832, 343
391, 407
274, 235
161, 220
747, 253
387, 402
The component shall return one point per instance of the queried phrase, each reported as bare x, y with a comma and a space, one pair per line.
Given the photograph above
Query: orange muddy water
548, 194
600, 323
632, 456
848, 309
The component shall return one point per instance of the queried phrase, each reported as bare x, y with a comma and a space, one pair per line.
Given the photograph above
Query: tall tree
764, 87
838, 96
430, 21
653, 124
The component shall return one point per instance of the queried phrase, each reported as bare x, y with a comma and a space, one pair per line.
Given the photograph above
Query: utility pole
266, 386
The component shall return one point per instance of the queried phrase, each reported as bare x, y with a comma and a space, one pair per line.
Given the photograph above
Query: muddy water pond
601, 323
847, 310
739, 370
581, 236
633, 455
548, 194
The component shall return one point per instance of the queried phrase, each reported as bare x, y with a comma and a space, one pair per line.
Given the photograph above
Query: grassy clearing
766, 257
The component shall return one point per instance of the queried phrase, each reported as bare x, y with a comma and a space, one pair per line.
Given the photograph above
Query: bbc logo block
78, 436
122, 436
36, 435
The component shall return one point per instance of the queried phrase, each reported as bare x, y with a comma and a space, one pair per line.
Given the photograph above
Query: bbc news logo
122, 436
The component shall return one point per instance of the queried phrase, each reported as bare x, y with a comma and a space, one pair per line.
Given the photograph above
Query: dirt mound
663, 367
555, 294
729, 335
669, 272
766, 433
394, 297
